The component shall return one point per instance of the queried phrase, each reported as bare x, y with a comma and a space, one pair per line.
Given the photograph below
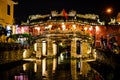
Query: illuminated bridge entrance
73, 44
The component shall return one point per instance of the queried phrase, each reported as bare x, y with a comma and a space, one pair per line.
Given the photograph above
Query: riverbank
12, 46
107, 64
107, 71
108, 57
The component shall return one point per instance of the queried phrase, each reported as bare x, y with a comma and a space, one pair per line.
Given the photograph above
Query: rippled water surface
51, 69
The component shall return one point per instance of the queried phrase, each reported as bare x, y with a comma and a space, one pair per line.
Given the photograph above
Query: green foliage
15, 36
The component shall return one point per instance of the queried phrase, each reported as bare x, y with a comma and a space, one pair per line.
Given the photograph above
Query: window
8, 9
0, 27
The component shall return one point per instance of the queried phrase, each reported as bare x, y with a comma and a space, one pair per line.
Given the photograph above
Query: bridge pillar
39, 49
49, 48
54, 48
73, 48
44, 48
84, 48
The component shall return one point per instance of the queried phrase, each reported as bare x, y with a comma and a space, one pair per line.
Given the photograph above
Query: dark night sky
28, 7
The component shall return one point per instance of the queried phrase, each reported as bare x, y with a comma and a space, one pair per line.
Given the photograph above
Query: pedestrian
115, 47
101, 39
105, 42
113, 41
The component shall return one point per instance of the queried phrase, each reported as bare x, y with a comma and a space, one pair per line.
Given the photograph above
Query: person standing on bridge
105, 42
101, 39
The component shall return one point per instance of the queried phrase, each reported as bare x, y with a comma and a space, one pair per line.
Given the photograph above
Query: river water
59, 68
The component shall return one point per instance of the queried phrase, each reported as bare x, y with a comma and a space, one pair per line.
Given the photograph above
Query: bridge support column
44, 48
54, 45
49, 48
84, 49
39, 49
73, 48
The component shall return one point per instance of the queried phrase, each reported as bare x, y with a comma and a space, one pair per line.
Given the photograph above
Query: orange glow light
109, 10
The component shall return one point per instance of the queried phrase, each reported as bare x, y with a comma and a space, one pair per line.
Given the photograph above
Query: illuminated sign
22, 29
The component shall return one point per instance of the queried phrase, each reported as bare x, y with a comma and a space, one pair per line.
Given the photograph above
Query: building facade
6, 12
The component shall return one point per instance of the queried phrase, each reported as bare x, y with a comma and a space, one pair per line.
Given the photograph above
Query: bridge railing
66, 33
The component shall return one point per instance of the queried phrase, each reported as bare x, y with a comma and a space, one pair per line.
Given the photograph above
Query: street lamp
109, 10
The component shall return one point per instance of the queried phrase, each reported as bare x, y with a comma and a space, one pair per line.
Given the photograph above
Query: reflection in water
21, 77
24, 67
78, 66
35, 67
44, 67
54, 64
49, 69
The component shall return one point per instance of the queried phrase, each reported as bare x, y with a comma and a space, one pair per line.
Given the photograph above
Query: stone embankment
107, 64
9, 46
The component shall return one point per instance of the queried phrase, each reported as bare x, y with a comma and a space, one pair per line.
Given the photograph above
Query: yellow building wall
6, 19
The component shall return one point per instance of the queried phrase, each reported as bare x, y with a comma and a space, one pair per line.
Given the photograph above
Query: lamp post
108, 12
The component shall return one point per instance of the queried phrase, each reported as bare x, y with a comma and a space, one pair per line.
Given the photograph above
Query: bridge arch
51, 47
